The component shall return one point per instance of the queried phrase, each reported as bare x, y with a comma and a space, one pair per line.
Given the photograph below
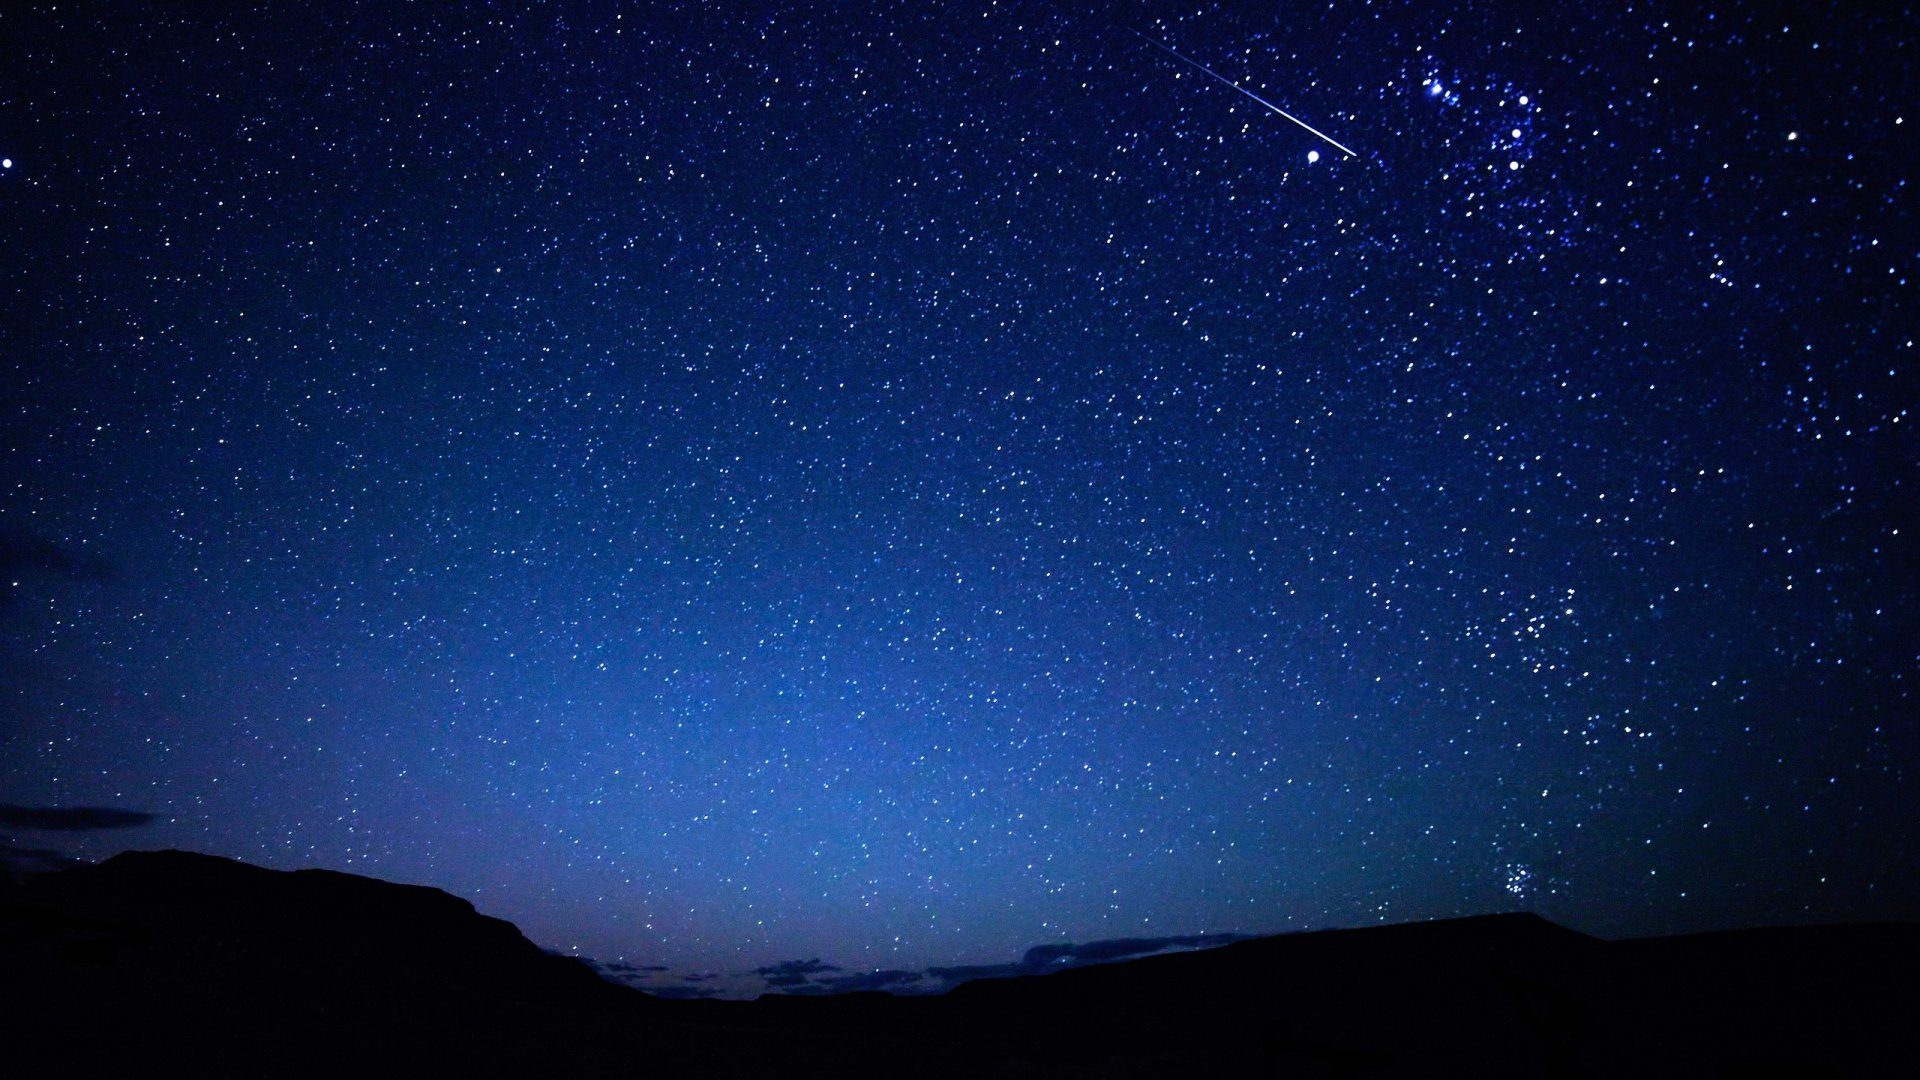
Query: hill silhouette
171, 963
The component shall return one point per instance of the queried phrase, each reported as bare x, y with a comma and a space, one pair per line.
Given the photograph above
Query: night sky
905, 486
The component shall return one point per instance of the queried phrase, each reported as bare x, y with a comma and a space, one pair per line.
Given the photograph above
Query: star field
904, 486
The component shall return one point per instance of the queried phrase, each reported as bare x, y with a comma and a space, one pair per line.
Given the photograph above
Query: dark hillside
169, 963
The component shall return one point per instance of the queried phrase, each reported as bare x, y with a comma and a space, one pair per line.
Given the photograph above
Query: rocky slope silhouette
169, 963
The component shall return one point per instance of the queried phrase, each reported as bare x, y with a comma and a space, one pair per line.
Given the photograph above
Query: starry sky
908, 484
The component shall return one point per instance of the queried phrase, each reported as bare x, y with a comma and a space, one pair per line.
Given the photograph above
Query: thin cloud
23, 861
968, 972
680, 993
1056, 956
815, 977
72, 818
622, 972
894, 980
22, 551
1094, 952
792, 974
25, 555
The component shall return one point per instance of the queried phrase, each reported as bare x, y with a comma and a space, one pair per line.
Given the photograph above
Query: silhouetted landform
174, 964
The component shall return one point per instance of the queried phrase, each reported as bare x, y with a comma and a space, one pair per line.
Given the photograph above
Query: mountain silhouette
176, 964
170, 959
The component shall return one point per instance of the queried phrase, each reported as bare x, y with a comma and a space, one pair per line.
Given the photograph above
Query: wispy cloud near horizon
72, 818
813, 976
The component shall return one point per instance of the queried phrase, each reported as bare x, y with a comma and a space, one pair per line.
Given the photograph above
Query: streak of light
1177, 55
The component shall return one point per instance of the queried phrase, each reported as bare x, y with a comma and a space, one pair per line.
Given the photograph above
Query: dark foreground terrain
172, 964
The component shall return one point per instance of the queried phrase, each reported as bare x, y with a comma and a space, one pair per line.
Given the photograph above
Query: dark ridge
170, 963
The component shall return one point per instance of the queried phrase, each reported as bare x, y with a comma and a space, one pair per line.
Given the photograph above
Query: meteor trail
1176, 54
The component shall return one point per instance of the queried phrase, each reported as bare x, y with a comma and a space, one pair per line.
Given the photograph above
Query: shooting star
1177, 55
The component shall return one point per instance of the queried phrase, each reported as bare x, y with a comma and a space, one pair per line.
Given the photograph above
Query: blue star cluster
901, 485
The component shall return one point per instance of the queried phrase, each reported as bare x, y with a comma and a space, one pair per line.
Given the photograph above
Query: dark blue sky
906, 486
